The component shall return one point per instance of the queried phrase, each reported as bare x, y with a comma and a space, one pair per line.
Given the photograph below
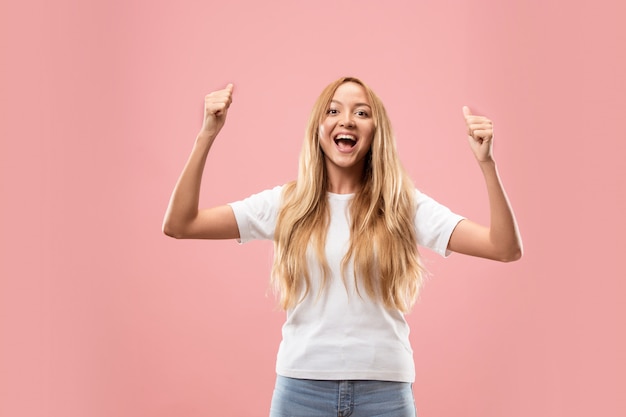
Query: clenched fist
479, 134
216, 106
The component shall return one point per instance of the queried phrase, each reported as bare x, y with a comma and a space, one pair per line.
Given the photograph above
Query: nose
346, 120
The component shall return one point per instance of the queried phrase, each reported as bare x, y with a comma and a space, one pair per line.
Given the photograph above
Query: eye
332, 111
362, 113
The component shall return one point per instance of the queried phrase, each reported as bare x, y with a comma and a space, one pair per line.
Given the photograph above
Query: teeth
346, 137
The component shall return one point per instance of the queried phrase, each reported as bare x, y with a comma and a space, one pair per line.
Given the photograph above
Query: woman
346, 262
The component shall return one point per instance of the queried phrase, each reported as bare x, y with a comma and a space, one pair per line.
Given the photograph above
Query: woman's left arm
500, 241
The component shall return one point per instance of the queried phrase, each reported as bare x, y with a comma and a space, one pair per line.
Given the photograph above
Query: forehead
350, 92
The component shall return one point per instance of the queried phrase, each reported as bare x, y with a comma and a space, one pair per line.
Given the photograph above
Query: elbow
172, 231
168, 231
512, 254
512, 257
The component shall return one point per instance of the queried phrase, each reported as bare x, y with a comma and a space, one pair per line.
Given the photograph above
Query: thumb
230, 87
466, 111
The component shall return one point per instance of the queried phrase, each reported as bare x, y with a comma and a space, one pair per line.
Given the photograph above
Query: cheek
324, 130
322, 139
321, 131
371, 138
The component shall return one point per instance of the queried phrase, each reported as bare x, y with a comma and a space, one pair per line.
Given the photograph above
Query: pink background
102, 315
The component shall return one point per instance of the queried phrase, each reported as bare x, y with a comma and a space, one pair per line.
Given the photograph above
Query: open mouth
345, 142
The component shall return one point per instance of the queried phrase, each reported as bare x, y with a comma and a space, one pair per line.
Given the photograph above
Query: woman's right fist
216, 106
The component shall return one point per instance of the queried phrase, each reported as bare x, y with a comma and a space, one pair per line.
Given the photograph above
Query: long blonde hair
383, 244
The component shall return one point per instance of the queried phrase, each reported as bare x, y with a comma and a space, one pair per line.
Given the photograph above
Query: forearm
183, 205
503, 231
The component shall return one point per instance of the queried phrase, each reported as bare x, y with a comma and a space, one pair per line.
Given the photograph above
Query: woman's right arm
183, 219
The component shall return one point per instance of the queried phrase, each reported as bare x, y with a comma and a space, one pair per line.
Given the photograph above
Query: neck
342, 181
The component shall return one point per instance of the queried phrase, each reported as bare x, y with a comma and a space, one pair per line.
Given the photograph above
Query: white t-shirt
343, 334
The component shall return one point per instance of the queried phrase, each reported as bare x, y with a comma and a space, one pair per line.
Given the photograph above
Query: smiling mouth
345, 142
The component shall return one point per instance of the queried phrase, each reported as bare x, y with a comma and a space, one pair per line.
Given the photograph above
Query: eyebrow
356, 105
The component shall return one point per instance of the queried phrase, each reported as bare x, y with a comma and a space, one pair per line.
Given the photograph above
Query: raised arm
500, 241
183, 219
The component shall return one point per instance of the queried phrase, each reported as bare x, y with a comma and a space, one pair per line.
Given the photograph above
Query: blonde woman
346, 265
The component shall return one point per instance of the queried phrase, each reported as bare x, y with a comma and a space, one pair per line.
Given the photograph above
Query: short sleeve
256, 215
434, 224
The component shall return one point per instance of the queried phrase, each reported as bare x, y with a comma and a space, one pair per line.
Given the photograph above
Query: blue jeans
311, 398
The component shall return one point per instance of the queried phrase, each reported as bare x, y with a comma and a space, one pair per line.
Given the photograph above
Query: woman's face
347, 131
